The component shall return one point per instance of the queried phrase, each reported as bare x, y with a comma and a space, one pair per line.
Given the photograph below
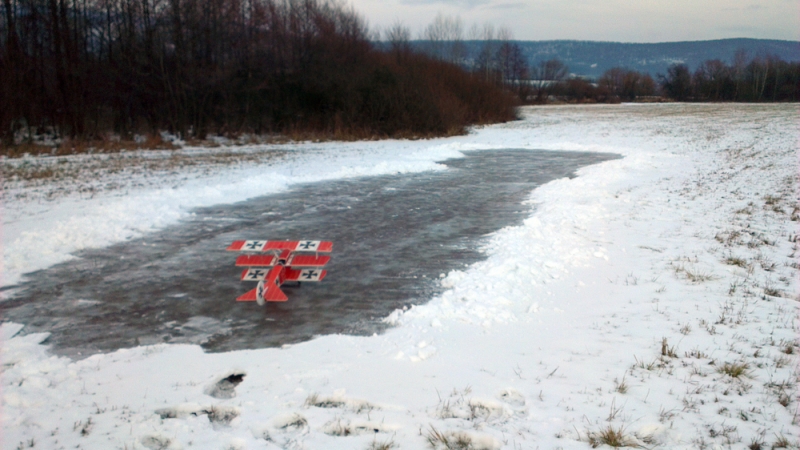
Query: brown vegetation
86, 69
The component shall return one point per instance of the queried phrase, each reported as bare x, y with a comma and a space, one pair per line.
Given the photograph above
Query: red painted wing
256, 260
246, 246
295, 246
303, 275
300, 246
308, 261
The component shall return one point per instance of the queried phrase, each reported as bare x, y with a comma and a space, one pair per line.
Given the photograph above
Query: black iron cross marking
310, 274
255, 274
255, 244
307, 244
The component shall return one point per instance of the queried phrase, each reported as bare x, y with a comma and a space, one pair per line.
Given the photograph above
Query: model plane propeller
272, 263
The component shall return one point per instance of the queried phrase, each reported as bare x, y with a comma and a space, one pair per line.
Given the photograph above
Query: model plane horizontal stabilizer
274, 295
249, 296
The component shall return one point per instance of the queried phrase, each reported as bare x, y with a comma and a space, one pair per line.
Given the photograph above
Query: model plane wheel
260, 293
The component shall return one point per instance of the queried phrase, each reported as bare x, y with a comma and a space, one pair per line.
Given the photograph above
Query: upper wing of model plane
294, 246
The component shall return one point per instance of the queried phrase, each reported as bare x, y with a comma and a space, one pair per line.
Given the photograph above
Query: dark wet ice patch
393, 236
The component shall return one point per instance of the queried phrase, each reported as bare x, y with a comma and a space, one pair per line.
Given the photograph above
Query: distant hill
591, 59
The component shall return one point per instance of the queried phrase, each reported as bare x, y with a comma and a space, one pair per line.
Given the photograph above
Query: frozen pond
393, 236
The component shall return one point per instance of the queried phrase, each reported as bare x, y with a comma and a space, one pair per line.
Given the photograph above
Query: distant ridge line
592, 58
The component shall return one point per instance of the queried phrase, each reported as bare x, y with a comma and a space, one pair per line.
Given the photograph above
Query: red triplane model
277, 262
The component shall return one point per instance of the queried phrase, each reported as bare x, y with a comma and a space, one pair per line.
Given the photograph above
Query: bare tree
625, 84
399, 38
713, 80
547, 75
492, 39
444, 38
514, 69
677, 84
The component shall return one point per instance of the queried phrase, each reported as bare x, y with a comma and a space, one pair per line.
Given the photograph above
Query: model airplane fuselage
272, 263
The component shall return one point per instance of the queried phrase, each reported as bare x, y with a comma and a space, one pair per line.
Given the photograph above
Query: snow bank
652, 298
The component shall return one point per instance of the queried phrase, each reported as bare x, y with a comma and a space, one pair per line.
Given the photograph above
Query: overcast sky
601, 20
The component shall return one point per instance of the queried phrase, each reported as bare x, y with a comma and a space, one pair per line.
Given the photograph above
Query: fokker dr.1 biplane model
273, 263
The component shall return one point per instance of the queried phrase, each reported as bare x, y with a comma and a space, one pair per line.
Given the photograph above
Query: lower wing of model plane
289, 274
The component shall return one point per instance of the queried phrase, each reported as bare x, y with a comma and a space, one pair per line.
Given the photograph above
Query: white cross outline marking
255, 274
254, 245
308, 245
310, 274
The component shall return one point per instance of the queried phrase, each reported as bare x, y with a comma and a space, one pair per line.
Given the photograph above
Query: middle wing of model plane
256, 260
291, 261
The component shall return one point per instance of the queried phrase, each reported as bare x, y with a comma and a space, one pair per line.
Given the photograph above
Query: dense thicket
615, 85
86, 67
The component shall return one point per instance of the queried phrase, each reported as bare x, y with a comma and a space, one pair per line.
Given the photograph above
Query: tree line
761, 79
88, 67
499, 60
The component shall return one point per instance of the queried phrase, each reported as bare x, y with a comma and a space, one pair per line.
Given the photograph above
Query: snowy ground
652, 300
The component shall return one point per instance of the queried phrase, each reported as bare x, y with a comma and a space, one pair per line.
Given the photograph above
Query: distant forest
86, 68
762, 79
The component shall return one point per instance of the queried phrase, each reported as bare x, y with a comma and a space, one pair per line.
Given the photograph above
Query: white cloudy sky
602, 20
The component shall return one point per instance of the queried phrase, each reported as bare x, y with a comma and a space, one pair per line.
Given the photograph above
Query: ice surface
392, 235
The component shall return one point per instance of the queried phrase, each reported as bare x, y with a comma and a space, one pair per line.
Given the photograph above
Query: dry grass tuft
621, 386
666, 350
696, 353
613, 437
735, 370
772, 292
736, 261
692, 274
781, 441
448, 441
385, 445
756, 444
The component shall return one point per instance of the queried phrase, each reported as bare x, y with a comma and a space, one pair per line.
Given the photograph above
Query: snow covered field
652, 301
